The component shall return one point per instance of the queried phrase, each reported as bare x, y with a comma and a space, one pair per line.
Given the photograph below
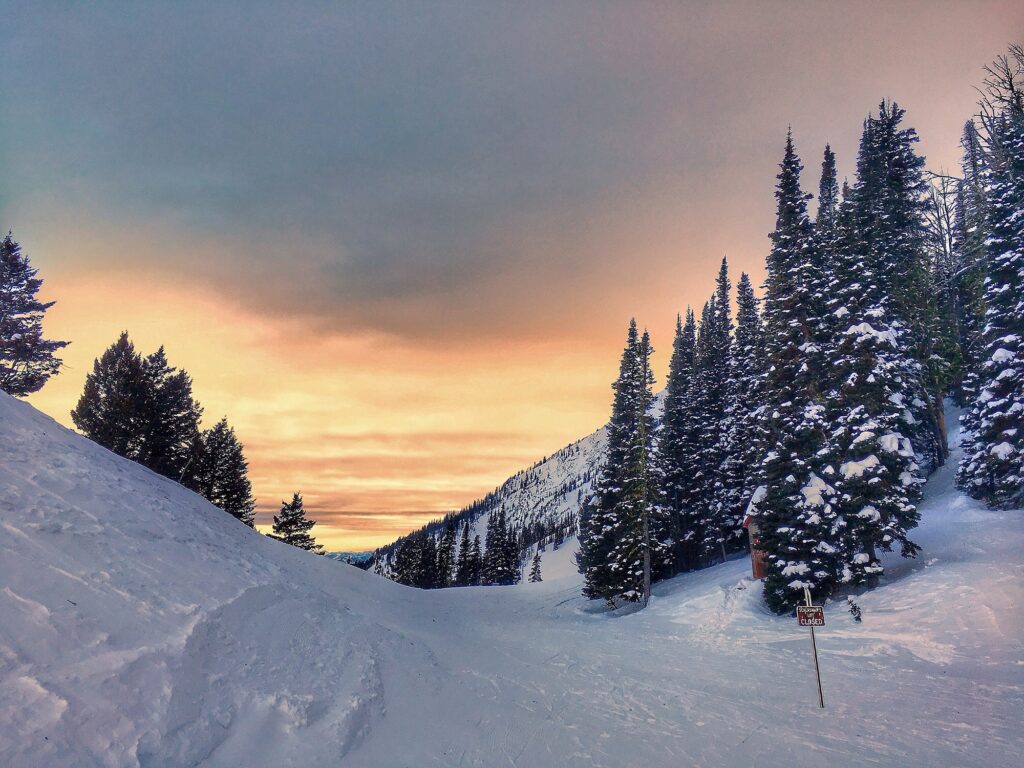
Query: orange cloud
378, 434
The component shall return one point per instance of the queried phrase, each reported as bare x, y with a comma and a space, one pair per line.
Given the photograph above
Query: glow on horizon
398, 250
378, 436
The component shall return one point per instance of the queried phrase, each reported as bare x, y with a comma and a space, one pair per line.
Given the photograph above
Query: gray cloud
418, 168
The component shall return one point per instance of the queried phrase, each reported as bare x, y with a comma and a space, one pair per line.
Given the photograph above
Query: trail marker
812, 616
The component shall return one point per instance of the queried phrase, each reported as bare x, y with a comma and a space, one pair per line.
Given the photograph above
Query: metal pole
814, 649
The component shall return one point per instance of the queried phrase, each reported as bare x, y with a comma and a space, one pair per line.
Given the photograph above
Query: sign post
812, 616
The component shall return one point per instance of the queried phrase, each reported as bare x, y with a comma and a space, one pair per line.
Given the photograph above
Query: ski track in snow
139, 626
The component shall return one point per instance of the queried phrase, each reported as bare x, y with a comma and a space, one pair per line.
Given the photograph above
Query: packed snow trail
141, 626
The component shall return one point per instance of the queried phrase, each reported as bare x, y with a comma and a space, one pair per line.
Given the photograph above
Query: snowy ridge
552, 489
143, 627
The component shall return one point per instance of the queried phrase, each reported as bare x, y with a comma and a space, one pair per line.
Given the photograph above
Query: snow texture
142, 626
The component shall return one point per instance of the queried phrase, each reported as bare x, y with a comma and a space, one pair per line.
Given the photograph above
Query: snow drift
141, 626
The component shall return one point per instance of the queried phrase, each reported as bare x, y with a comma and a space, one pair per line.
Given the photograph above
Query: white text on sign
810, 615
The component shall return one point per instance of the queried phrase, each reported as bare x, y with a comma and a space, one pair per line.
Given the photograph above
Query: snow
866, 330
758, 496
889, 443
814, 490
1002, 356
1002, 451
141, 626
869, 512
858, 468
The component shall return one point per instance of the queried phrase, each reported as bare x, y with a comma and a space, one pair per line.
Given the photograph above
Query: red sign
810, 615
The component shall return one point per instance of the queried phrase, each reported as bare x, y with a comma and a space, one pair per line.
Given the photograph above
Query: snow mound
143, 627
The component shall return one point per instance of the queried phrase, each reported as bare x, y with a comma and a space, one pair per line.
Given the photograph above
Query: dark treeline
820, 414
457, 557
142, 408
138, 406
27, 360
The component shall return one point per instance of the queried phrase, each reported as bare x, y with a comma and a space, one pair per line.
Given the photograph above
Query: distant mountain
548, 493
356, 558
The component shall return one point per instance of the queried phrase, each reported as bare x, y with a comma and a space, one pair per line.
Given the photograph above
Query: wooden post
814, 649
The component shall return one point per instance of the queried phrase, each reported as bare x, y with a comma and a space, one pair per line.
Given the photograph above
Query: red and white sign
810, 615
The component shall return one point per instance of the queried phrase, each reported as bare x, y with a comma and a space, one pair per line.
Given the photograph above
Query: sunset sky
398, 244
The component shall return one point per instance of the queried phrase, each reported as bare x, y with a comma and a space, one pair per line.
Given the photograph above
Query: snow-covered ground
141, 626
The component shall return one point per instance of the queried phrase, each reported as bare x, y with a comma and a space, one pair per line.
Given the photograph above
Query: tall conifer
993, 464
27, 360
795, 508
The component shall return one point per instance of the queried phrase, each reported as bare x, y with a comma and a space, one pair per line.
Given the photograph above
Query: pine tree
476, 560
426, 573
408, 557
111, 410
501, 559
799, 529
881, 403
618, 548
446, 556
993, 464
970, 237
676, 450
889, 217
639, 547
463, 568
27, 360
494, 542
535, 569
721, 523
744, 439
218, 472
170, 417
140, 408
292, 526
944, 270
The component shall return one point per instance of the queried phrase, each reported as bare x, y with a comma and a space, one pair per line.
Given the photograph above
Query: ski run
144, 627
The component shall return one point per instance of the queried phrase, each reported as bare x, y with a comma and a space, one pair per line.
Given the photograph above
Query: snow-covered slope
141, 626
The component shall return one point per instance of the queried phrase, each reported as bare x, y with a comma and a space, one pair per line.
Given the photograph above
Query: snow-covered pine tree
463, 565
476, 563
721, 526
535, 569
944, 269
426, 574
408, 556
879, 404
744, 439
794, 507
598, 519
446, 556
512, 550
889, 200
219, 472
676, 451
993, 467
969, 237
616, 556
501, 557
27, 360
494, 542
292, 526
639, 546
